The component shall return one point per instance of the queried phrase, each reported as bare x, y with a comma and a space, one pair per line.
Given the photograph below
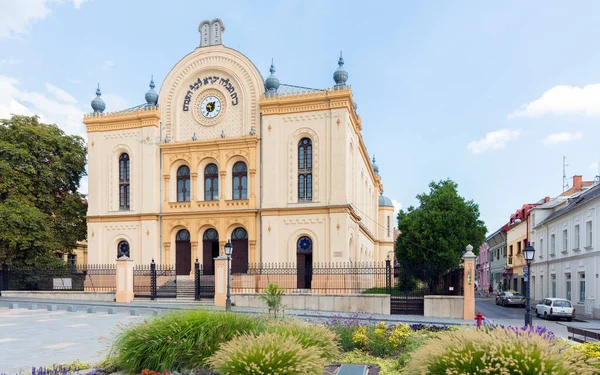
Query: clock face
210, 106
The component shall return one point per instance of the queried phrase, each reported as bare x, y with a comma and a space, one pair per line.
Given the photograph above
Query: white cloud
13, 100
60, 94
114, 102
9, 62
594, 166
16, 17
397, 208
75, 81
493, 141
107, 64
563, 137
563, 99
78, 3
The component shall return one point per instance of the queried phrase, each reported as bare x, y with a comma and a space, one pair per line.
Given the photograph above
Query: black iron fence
80, 277
204, 284
155, 281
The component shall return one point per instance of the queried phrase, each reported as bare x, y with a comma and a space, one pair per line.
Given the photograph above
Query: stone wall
444, 306
61, 295
371, 303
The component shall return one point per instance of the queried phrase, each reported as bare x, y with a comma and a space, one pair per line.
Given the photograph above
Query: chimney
547, 199
577, 183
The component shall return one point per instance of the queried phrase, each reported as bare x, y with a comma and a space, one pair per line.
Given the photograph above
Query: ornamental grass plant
497, 351
268, 353
178, 340
309, 336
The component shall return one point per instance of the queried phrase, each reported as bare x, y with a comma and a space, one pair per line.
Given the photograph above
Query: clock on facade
210, 107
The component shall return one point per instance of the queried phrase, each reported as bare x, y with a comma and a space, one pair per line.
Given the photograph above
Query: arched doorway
210, 250
183, 253
239, 260
304, 262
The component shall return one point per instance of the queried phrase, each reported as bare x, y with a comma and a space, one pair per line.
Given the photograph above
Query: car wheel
537, 314
545, 315
504, 303
569, 319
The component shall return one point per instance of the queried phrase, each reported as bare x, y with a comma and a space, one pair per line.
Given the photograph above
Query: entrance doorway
304, 262
239, 259
183, 253
210, 250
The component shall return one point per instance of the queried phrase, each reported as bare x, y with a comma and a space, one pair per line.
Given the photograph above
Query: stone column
469, 284
221, 280
167, 178
194, 186
124, 280
252, 255
167, 259
223, 175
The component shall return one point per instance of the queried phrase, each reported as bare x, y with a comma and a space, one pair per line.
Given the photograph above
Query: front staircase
185, 288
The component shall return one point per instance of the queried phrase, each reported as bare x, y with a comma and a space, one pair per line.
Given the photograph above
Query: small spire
272, 69
340, 76
194, 137
222, 133
152, 86
272, 82
98, 104
151, 95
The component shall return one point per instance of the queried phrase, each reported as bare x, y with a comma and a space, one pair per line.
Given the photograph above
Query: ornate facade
222, 154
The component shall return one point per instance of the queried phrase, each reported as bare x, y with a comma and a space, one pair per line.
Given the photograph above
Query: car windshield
517, 295
562, 304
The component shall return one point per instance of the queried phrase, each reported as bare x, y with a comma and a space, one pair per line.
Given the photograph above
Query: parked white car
555, 308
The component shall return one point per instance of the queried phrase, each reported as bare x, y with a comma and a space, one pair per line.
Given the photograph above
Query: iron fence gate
408, 285
204, 285
154, 281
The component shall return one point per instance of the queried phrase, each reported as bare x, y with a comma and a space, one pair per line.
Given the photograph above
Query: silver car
510, 299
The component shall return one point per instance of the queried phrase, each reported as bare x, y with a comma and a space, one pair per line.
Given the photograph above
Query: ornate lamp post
228, 252
529, 253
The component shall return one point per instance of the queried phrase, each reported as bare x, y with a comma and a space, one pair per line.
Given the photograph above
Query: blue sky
490, 94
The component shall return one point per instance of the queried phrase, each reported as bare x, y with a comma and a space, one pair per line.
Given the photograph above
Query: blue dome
340, 76
385, 202
151, 95
98, 104
272, 82
375, 166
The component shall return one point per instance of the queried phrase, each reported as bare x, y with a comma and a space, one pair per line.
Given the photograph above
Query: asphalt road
515, 316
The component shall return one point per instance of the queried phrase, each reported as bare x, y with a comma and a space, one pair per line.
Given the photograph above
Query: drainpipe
260, 163
160, 219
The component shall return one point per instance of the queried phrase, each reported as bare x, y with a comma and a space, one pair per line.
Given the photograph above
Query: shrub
590, 349
359, 337
268, 353
497, 351
272, 297
178, 340
310, 336
399, 336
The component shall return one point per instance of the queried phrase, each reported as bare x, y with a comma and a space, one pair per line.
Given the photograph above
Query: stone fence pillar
221, 280
469, 284
124, 279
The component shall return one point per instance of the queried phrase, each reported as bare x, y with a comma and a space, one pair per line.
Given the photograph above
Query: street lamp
228, 252
529, 253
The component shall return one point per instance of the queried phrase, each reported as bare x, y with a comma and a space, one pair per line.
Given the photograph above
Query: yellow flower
360, 338
400, 334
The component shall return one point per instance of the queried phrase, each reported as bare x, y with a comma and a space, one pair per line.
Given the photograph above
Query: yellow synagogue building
222, 154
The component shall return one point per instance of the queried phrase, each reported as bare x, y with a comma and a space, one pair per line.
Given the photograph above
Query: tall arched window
183, 184
211, 183
305, 170
123, 249
124, 190
240, 180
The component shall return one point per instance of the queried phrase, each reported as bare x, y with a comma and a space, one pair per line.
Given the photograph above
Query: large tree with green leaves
41, 211
435, 234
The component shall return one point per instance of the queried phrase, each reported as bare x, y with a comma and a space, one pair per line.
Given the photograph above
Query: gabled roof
575, 202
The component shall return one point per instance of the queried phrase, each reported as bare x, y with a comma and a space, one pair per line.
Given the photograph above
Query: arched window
211, 183
239, 234
182, 235
124, 187
211, 235
183, 184
305, 170
123, 249
304, 245
240, 180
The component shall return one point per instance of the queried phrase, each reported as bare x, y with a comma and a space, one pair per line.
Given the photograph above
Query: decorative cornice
115, 218
247, 141
139, 118
310, 101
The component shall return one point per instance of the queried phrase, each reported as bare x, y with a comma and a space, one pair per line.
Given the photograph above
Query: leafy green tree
41, 211
435, 234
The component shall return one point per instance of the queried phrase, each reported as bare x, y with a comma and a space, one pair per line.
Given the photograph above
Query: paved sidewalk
161, 306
